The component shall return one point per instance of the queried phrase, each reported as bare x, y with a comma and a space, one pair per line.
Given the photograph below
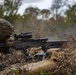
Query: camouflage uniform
6, 30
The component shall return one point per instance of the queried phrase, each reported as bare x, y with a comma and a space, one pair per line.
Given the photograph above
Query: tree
71, 15
9, 9
71, 19
32, 12
11, 6
56, 6
45, 13
30, 18
1, 11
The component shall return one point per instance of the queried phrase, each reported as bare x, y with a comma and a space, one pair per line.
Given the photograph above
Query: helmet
6, 29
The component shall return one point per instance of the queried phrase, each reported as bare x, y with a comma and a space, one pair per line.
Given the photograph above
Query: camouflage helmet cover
6, 28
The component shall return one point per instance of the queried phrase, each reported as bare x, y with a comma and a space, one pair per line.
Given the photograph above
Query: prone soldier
6, 29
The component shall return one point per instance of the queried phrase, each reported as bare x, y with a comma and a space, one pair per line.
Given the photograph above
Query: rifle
23, 41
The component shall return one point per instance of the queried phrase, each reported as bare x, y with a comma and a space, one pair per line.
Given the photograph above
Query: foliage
1, 11
45, 13
9, 10
71, 15
32, 12
14, 72
11, 6
19, 72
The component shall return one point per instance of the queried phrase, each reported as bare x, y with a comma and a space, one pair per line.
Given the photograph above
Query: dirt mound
14, 57
60, 62
67, 63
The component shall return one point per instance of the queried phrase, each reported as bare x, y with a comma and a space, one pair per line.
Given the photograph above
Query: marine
6, 29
